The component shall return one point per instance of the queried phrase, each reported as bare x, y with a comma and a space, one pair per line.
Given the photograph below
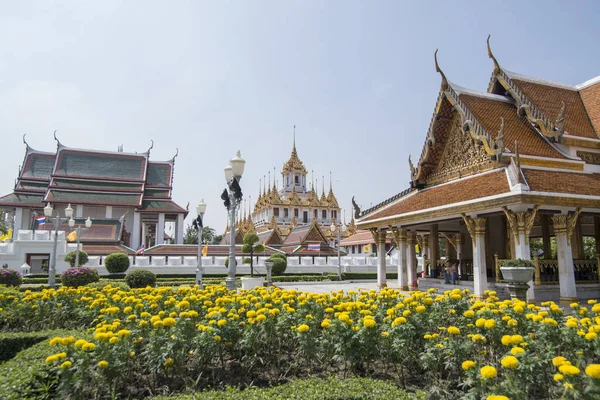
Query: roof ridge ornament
559, 124
58, 143
438, 69
176, 153
491, 55
151, 146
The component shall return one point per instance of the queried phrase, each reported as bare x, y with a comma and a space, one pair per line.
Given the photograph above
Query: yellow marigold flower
123, 333
495, 397
385, 334
114, 340
56, 340
469, 314
439, 346
453, 330
217, 338
490, 323
221, 323
506, 340
79, 344
517, 350
88, 347
427, 336
67, 340
518, 309
303, 328
65, 365
326, 323
158, 324
550, 321
131, 353
468, 364
574, 305
567, 369
558, 361
558, 377
406, 313
510, 362
592, 302
128, 310
480, 323
369, 323
572, 323
169, 362
512, 322
143, 323
568, 386
169, 321
399, 321
516, 339
51, 359
420, 309
488, 372
103, 364
590, 336
593, 371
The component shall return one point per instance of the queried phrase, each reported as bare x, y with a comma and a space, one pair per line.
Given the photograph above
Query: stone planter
517, 278
251, 283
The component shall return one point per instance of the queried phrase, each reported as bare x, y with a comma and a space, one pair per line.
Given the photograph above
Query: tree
3, 224
249, 247
191, 235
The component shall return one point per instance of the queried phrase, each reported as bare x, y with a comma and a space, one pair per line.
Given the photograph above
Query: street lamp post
57, 221
88, 224
341, 227
233, 175
200, 209
269, 266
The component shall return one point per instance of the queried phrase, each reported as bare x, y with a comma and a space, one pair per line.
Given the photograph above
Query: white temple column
477, 228
402, 259
434, 249
564, 225
108, 214
380, 237
520, 224
160, 229
17, 221
459, 240
179, 229
411, 262
136, 231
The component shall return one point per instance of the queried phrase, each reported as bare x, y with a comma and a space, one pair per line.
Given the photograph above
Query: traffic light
225, 198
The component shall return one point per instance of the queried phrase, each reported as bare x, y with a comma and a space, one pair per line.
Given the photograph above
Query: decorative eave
470, 125
553, 130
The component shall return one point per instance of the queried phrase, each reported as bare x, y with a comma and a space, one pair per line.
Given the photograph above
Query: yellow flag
367, 248
416, 248
72, 236
7, 235
205, 250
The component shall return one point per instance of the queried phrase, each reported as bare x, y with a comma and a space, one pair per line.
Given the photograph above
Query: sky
356, 78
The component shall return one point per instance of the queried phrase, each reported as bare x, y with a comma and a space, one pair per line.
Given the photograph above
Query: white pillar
136, 231
179, 229
108, 212
160, 229
458, 239
380, 236
402, 259
411, 262
18, 220
563, 229
477, 228
79, 211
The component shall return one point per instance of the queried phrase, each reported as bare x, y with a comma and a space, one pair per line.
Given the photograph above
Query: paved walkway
327, 287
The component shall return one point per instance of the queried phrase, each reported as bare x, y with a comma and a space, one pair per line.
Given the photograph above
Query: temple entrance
38, 262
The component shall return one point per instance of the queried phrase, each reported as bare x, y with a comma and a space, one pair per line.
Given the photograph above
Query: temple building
292, 210
127, 197
500, 170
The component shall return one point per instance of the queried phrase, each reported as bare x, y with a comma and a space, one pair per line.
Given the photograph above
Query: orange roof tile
488, 113
591, 100
361, 237
472, 188
562, 182
548, 99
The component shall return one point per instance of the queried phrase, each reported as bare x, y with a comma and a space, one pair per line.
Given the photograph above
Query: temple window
324, 214
296, 212
285, 213
276, 211
296, 179
316, 214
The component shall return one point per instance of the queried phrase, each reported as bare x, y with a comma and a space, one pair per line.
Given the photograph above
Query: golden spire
294, 164
274, 185
323, 198
351, 227
331, 199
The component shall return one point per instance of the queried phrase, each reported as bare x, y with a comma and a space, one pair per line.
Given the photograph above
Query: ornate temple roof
294, 165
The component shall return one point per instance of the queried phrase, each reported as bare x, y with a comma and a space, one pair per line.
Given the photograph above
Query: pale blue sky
356, 77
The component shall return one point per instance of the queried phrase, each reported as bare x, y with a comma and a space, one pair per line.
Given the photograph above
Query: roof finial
176, 153
294, 137
323, 185
58, 143
491, 55
330, 184
151, 146
274, 175
270, 180
438, 69
264, 184
24, 141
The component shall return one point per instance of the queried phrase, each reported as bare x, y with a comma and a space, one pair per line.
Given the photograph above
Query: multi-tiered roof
525, 140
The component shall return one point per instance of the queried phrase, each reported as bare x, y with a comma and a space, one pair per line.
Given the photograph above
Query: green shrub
81, 276
115, 284
11, 343
116, 263
247, 260
26, 375
83, 257
330, 388
519, 263
10, 277
140, 278
279, 255
279, 264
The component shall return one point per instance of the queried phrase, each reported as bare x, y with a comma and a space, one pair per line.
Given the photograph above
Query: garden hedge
116, 263
330, 388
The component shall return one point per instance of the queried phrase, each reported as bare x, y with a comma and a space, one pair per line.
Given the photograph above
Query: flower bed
450, 345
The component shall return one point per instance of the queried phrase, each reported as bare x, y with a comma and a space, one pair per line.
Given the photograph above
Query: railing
586, 270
